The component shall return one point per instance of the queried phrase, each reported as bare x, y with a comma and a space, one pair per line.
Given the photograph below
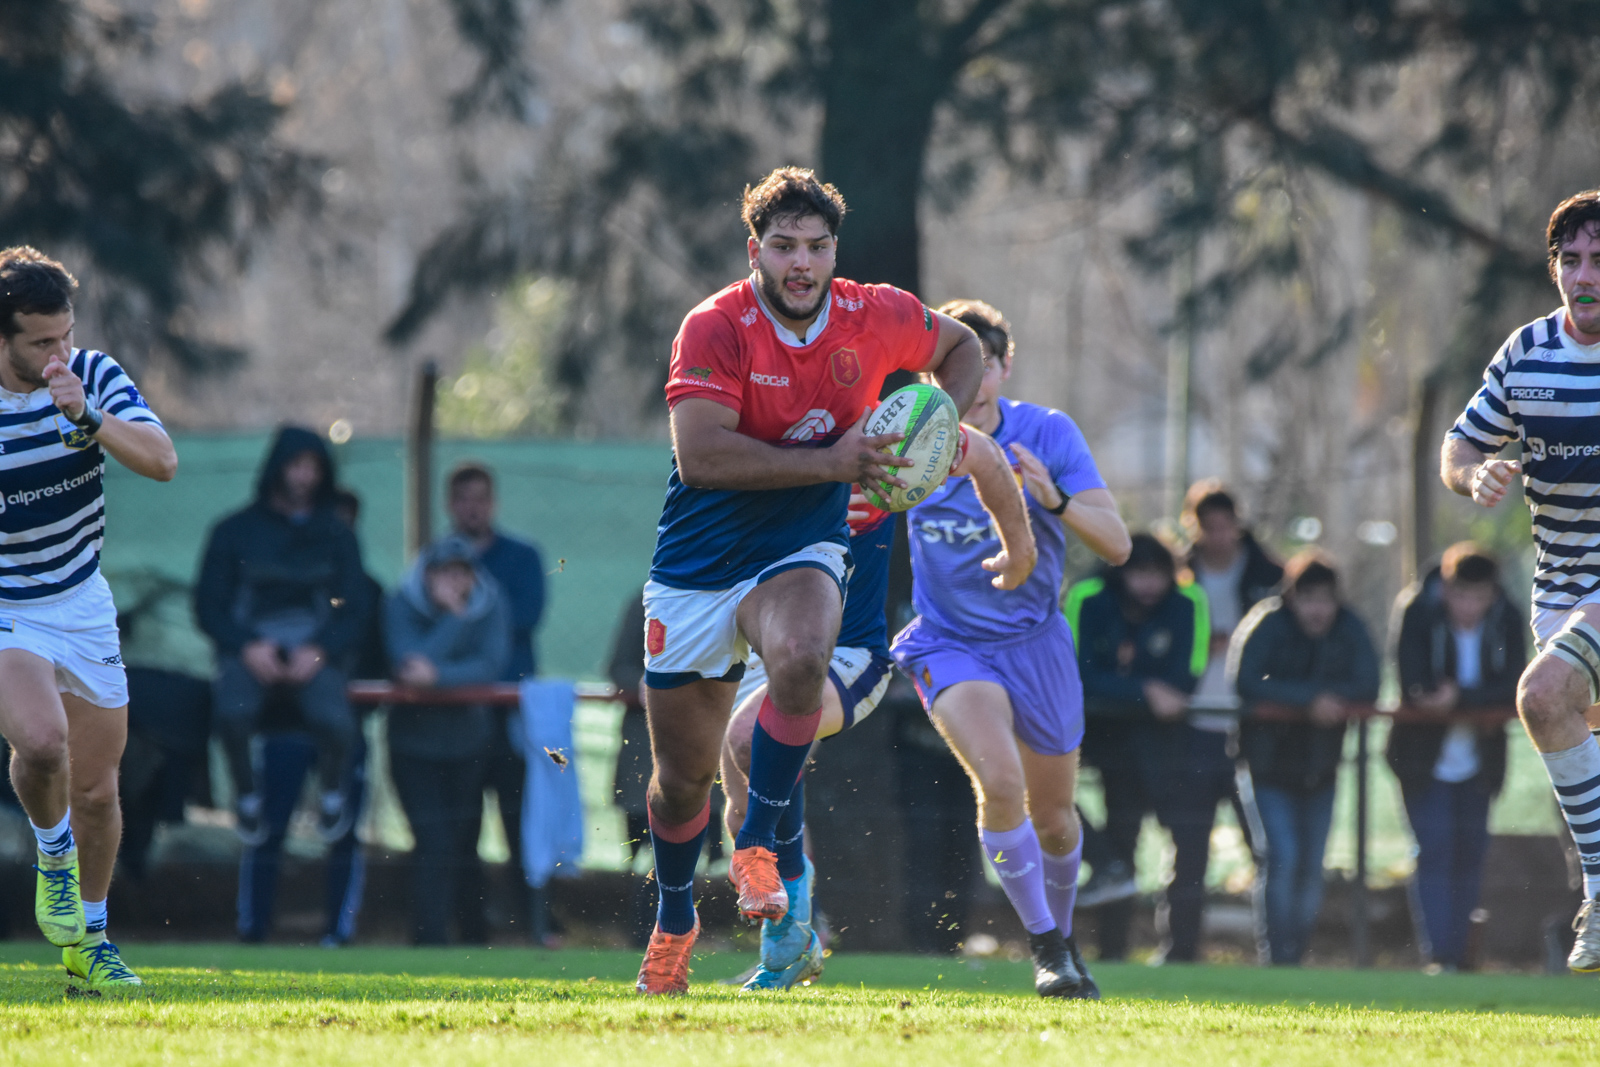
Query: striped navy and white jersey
52, 507
1543, 389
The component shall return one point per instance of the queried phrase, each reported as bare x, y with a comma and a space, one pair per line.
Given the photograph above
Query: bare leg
34, 721
97, 737
792, 621
686, 728
1052, 783
975, 719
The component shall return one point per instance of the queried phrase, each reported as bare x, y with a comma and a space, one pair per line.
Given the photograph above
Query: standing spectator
446, 625
1310, 657
1236, 574
518, 569
280, 595
1461, 646
1142, 641
286, 755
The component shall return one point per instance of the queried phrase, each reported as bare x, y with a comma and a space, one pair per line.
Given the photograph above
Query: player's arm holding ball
142, 447
957, 362
713, 454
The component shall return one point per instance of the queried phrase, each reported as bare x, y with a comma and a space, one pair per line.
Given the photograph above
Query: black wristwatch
1065, 499
89, 421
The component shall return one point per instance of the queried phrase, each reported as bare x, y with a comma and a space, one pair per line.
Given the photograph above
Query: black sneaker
1055, 974
1088, 990
247, 820
1107, 884
334, 817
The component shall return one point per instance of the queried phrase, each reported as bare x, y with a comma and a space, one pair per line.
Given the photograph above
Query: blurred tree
143, 190
1230, 107
506, 386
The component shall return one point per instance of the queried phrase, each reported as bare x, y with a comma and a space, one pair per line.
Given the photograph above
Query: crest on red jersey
655, 636
846, 367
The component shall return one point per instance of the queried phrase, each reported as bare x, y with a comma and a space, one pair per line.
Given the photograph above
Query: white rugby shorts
691, 634
859, 675
78, 635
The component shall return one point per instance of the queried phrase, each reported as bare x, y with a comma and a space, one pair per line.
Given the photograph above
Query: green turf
226, 1004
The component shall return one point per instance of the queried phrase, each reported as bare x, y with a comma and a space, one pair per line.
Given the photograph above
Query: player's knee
1552, 689
1003, 793
98, 794
1057, 830
40, 748
682, 788
796, 674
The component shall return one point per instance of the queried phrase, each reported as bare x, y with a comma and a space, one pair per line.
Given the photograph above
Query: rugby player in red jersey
769, 387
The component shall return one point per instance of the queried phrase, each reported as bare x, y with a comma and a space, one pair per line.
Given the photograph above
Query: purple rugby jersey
951, 535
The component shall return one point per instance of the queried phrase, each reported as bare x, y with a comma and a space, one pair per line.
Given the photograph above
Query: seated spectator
518, 569
1310, 657
445, 626
287, 753
1461, 646
1142, 642
281, 595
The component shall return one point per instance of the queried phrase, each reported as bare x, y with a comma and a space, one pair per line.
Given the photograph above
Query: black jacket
1170, 646
1261, 573
262, 569
1272, 660
1425, 652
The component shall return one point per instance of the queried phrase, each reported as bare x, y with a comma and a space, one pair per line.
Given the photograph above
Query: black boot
1055, 973
1088, 990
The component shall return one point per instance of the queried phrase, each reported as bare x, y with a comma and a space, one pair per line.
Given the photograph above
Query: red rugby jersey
728, 350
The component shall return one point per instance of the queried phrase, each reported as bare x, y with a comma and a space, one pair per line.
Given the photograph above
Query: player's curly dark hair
31, 283
986, 321
791, 193
1573, 214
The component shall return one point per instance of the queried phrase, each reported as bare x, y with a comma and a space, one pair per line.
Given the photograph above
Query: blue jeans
1450, 821
1289, 891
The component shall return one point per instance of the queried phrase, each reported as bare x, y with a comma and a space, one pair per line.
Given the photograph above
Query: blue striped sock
677, 853
57, 840
1575, 774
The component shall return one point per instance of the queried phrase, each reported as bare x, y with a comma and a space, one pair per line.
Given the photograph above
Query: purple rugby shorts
1038, 670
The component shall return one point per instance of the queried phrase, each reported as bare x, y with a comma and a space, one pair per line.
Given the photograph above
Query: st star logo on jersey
846, 367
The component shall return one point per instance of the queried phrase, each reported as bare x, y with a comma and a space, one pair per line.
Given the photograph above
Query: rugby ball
928, 418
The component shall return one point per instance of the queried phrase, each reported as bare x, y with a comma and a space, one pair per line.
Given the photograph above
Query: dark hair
1146, 551
985, 321
1573, 214
31, 283
1308, 569
1205, 496
790, 193
469, 471
1466, 561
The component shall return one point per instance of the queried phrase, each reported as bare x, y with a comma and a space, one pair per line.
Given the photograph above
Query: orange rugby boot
666, 962
754, 873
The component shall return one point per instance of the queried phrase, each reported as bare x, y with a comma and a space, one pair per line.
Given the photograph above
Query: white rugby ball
928, 418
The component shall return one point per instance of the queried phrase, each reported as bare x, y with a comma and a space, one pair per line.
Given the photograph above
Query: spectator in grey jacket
1312, 657
446, 625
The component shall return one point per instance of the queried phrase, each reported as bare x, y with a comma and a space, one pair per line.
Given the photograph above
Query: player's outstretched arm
1002, 498
957, 363
1091, 514
142, 447
713, 454
1465, 470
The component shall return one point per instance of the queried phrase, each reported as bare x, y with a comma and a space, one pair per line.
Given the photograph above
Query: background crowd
1213, 676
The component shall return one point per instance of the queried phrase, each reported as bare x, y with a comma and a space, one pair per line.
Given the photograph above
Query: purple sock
791, 834
1017, 860
1061, 885
677, 852
778, 751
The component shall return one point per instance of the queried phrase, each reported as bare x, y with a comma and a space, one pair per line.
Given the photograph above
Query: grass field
223, 1004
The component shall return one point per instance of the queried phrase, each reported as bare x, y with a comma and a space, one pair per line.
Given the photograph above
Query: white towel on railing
552, 810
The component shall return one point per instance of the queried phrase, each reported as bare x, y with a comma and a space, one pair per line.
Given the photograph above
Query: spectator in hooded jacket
1461, 646
1310, 655
1142, 638
283, 598
445, 626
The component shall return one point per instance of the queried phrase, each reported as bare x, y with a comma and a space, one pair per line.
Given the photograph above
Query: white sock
1575, 773
94, 915
57, 840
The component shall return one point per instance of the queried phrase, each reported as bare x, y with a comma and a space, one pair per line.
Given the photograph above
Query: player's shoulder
1534, 341
724, 307
875, 298
1037, 420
